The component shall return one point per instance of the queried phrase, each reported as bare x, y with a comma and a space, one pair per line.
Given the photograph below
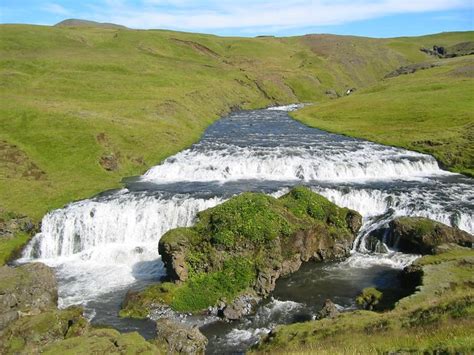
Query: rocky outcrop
410, 69
419, 235
11, 224
31, 323
26, 290
457, 50
239, 249
180, 338
329, 310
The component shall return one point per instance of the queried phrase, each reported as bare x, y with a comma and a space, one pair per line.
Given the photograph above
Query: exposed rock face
329, 310
180, 338
26, 290
410, 69
240, 307
240, 248
459, 49
422, 236
173, 255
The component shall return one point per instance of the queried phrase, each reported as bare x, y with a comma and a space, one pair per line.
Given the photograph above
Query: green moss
199, 292
369, 298
10, 247
204, 290
255, 218
303, 203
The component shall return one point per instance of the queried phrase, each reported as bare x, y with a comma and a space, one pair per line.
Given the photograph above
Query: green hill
72, 22
85, 105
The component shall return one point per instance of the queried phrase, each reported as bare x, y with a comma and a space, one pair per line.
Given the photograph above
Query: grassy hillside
431, 110
82, 107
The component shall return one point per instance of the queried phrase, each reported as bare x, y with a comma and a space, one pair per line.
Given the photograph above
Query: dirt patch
197, 47
14, 163
109, 162
410, 69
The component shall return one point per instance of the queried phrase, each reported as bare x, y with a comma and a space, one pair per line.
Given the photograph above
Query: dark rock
240, 307
412, 276
331, 93
180, 338
173, 255
26, 290
14, 224
410, 69
421, 235
329, 310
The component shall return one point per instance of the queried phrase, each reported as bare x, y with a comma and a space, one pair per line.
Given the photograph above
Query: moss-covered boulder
369, 298
31, 333
419, 235
26, 290
243, 246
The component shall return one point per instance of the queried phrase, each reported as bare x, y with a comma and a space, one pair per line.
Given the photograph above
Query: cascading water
109, 243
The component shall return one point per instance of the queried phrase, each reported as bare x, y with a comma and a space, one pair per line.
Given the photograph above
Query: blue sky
376, 18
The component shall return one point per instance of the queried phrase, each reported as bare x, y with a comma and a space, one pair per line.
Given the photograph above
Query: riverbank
429, 111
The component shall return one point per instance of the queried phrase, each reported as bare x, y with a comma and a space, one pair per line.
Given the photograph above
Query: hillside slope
431, 111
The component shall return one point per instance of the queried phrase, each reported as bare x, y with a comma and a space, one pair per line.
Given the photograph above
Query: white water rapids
109, 242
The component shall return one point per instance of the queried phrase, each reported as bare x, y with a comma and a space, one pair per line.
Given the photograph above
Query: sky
374, 18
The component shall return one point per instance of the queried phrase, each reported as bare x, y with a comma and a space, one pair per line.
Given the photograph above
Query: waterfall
109, 242
291, 163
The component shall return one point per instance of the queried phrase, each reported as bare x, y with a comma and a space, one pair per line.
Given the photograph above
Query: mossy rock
369, 298
420, 235
243, 246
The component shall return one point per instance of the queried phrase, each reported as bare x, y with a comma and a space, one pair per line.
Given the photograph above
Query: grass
72, 96
437, 318
11, 246
430, 111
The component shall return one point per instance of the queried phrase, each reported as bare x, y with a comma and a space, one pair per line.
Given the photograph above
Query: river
103, 246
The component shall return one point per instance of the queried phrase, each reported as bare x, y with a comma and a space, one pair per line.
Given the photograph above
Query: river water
103, 246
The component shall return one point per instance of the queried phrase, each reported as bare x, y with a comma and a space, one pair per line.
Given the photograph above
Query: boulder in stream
180, 338
420, 235
241, 248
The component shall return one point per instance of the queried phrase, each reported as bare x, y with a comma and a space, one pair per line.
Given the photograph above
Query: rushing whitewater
109, 243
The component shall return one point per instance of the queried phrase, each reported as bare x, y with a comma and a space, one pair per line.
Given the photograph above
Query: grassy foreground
82, 107
438, 318
430, 111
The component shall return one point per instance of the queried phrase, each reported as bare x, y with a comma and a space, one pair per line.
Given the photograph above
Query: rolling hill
86, 104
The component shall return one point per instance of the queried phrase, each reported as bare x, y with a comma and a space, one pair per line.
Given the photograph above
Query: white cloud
226, 14
55, 9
